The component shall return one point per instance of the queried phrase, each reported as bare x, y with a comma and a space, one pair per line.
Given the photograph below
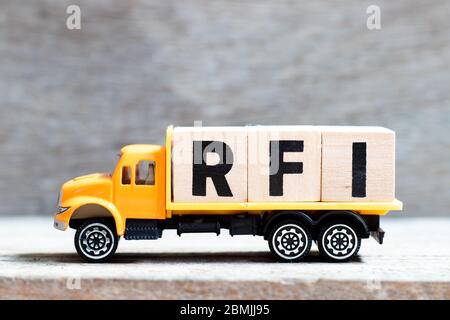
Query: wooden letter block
358, 164
284, 163
209, 164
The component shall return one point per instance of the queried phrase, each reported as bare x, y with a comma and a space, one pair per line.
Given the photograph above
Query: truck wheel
339, 241
290, 241
96, 241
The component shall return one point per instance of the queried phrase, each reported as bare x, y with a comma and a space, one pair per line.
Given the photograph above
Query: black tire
96, 240
339, 241
290, 241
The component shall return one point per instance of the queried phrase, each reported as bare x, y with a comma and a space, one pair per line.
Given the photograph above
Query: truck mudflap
378, 235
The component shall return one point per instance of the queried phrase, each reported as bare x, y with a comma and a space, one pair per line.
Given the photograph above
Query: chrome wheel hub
290, 241
96, 240
340, 241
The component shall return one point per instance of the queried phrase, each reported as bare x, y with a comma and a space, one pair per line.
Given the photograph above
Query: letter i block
284, 163
209, 164
358, 164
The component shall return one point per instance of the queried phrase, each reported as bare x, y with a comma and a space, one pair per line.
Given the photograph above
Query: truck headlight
62, 209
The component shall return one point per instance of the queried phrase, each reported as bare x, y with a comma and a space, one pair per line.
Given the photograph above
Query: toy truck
292, 185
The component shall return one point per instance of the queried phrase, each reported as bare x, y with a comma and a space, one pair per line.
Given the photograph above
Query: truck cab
135, 190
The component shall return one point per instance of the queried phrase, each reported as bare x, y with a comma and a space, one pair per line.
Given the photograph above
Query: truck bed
378, 208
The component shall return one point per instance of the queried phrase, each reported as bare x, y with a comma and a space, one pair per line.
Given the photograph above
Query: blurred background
70, 99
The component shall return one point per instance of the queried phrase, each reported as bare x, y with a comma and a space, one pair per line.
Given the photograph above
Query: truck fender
349, 215
283, 215
78, 202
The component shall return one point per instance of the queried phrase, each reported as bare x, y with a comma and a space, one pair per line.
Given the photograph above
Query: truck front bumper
60, 225
62, 217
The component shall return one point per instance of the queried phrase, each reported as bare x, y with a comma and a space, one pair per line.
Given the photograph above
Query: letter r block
209, 164
284, 163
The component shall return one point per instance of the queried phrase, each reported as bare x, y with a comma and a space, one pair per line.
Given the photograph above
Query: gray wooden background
70, 99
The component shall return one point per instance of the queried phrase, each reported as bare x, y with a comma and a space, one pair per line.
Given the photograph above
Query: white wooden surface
37, 261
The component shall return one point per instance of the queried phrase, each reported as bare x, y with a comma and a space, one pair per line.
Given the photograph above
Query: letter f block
284, 163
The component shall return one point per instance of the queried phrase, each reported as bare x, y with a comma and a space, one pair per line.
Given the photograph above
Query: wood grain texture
72, 98
304, 186
338, 161
183, 163
40, 263
229, 290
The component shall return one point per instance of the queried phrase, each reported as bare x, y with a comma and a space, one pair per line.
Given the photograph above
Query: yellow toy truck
289, 184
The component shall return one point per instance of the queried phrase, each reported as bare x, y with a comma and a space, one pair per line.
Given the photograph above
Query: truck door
138, 193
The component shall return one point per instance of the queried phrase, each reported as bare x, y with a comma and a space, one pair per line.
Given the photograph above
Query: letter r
201, 171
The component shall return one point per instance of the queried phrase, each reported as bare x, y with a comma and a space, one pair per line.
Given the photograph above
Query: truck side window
145, 173
126, 176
